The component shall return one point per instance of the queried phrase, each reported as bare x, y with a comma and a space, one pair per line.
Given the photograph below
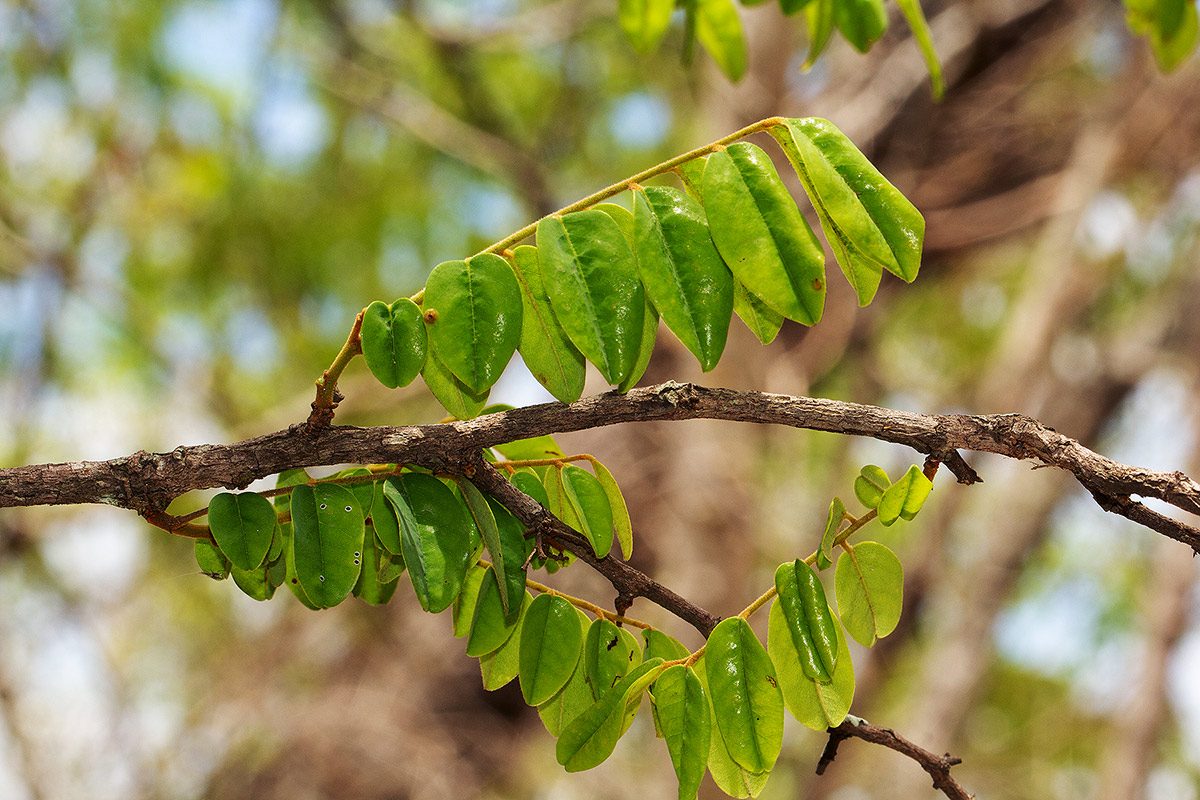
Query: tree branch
148, 482
937, 766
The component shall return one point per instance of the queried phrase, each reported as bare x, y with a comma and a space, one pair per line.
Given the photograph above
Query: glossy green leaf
870, 485
818, 17
761, 234
243, 525
661, 645
455, 397
620, 215
393, 341
745, 695
571, 700
253, 582
719, 30
391, 565
528, 482
763, 321
516, 548
806, 610
589, 501
620, 512
499, 667
328, 536
485, 522
817, 705
645, 22
371, 587
691, 174
915, 16
591, 279
384, 520
489, 629
904, 498
730, 777
833, 525
609, 653
862, 22
290, 579
590, 738
870, 591
478, 318
685, 278
211, 560
645, 349
545, 347
551, 640
681, 708
558, 503
462, 610
433, 537
868, 222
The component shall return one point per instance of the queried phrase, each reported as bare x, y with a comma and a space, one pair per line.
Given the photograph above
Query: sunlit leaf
905, 497
870, 591
620, 512
730, 777
489, 630
745, 695
719, 30
551, 640
609, 653
433, 537
455, 397
682, 711
393, 341
545, 347
915, 17
499, 667
571, 700
817, 705
814, 634
870, 485
862, 22
590, 738
763, 321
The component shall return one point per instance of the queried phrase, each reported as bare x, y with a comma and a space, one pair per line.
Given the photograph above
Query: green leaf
862, 22
813, 630
685, 278
761, 234
591, 279
533, 449
499, 667
905, 497
393, 341
817, 705
719, 30
253, 582
589, 501
870, 485
790, 7
243, 525
833, 524
681, 707
868, 222
818, 16
485, 521
870, 591
645, 349
691, 173
571, 700
1174, 44
745, 695
371, 587
609, 653
462, 611
545, 347
328, 541
620, 512
489, 630
661, 645
911, 9
559, 504
730, 777
478, 318
455, 397
516, 549
384, 520
591, 737
211, 560
550, 643
645, 22
763, 321
622, 216
528, 482
391, 565
433, 537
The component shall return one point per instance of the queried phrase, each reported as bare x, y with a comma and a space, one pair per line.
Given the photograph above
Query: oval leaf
589, 501
571, 700
685, 278
545, 348
593, 287
489, 630
745, 695
719, 30
661, 645
833, 525
862, 22
591, 737
620, 512
373, 587
211, 560
645, 21
243, 525
817, 705
730, 777
814, 634
868, 222
550, 643
433, 537
645, 349
870, 485
499, 667
905, 497
393, 341
870, 591
762, 320
761, 234
609, 653
453, 394
462, 611
681, 708
328, 540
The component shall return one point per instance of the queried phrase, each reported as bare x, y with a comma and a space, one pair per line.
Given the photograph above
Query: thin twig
937, 766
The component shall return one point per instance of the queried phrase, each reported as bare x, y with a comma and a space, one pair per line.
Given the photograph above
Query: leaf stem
591, 608
328, 395
621, 186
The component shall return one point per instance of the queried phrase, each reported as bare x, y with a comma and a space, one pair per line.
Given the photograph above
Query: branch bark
937, 766
147, 482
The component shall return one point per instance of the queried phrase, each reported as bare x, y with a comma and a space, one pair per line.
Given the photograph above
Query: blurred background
196, 198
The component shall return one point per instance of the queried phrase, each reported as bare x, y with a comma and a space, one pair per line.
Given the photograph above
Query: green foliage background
195, 199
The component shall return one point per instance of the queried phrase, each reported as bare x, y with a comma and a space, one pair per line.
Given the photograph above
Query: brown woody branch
147, 482
937, 766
